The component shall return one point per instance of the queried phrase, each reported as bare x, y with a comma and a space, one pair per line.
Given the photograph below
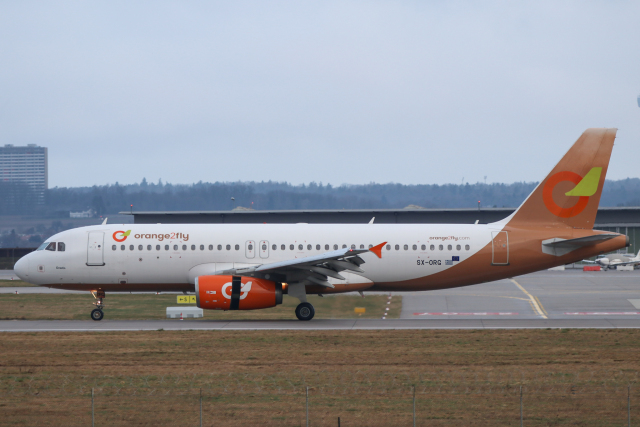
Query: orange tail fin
570, 194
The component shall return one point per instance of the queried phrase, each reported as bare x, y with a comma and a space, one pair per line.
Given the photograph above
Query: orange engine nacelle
237, 293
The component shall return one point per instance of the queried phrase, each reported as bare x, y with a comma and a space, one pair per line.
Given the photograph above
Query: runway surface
320, 324
548, 299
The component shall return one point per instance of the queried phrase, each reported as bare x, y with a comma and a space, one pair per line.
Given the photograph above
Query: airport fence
237, 400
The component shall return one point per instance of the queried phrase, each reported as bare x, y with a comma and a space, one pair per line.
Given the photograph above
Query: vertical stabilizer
569, 196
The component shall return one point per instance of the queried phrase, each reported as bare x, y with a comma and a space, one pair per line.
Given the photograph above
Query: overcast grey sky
333, 92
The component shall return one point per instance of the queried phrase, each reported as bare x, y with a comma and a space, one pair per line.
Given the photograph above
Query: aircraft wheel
305, 311
97, 314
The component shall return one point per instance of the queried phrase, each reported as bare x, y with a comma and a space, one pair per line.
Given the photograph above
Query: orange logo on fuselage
547, 195
124, 234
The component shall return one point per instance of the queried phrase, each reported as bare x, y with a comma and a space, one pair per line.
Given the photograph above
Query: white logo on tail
244, 290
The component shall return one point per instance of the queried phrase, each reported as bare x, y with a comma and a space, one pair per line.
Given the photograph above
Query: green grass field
152, 306
14, 284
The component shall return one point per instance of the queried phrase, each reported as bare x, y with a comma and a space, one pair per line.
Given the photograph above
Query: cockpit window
51, 247
42, 246
60, 247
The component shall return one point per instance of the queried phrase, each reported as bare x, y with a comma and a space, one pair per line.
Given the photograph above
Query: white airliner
615, 260
245, 267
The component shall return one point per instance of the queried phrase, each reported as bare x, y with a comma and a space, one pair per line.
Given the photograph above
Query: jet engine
236, 293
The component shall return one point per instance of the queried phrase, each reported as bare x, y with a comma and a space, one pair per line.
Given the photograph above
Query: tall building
26, 165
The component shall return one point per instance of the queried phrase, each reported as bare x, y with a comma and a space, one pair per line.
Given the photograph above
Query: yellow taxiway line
535, 303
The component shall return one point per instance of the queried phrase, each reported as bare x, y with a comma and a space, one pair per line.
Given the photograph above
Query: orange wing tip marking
378, 249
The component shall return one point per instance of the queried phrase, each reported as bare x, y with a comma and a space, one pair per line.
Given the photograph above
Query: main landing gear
305, 311
96, 313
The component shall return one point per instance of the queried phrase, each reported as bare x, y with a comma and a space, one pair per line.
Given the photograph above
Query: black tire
97, 314
305, 311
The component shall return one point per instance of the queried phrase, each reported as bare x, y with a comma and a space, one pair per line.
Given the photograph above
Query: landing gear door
264, 249
499, 248
95, 248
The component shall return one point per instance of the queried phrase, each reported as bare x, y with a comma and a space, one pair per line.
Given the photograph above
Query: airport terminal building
623, 220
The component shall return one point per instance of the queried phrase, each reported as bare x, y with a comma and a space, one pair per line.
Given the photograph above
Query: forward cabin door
264, 249
250, 249
500, 248
95, 248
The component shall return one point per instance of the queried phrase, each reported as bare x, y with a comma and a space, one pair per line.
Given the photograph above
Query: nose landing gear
96, 313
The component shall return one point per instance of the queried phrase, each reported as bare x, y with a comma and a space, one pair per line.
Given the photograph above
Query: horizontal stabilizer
558, 246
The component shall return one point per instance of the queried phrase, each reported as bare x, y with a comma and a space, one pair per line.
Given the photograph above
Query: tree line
16, 199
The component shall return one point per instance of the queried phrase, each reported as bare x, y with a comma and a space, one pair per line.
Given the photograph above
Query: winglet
378, 249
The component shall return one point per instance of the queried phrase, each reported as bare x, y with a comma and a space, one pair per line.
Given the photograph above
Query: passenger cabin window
397, 247
335, 247
114, 247
274, 247
406, 247
300, 247
228, 247
317, 247
344, 246
326, 247
264, 246
291, 247
353, 246
467, 247
370, 246
211, 247
308, 247
432, 247
122, 247
283, 247
388, 247
441, 247
157, 247
202, 247
184, 247
193, 247
131, 247
140, 247
175, 247
250, 247
423, 247
166, 247
458, 247
220, 247
415, 247
237, 247
149, 247
449, 247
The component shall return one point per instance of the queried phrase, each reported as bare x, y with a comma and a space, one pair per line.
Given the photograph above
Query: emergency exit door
500, 248
95, 248
264, 249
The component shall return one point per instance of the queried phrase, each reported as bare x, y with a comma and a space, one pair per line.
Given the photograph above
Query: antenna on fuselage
105, 221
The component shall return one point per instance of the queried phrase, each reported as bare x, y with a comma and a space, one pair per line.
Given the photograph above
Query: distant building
28, 165
84, 214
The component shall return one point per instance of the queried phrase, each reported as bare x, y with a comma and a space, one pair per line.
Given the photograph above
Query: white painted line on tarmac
603, 313
466, 314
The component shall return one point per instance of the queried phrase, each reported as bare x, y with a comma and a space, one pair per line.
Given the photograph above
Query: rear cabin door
95, 248
500, 248
264, 249
250, 249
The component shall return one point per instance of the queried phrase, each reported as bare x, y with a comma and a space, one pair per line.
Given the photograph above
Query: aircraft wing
613, 264
315, 269
589, 261
558, 246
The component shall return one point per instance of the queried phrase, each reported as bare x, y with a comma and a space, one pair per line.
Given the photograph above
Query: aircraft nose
22, 268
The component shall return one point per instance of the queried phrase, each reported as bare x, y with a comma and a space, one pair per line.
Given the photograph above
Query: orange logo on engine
547, 195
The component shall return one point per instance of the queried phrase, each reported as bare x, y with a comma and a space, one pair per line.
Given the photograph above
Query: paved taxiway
548, 299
